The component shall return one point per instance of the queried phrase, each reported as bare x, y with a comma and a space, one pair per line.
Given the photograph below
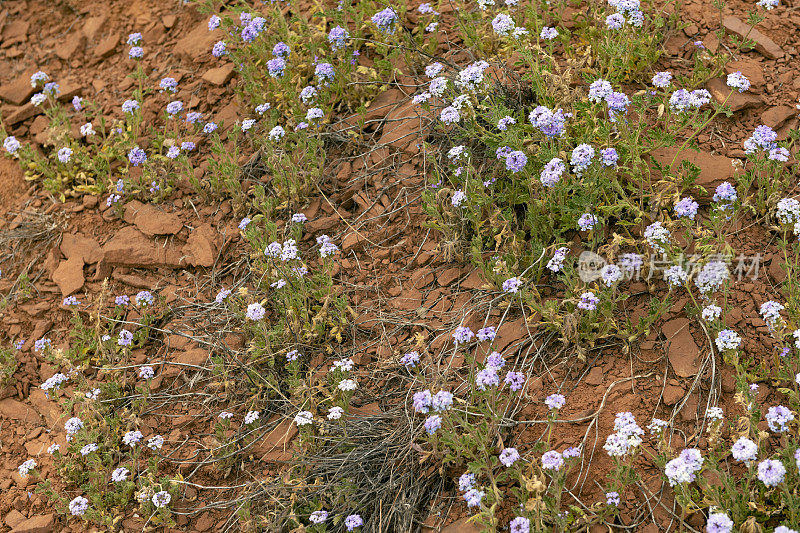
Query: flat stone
107, 46
13, 518
92, 25
130, 247
763, 44
673, 394
220, 75
684, 355
714, 169
23, 113
198, 42
81, 246
14, 410
201, 246
718, 87
19, 90
775, 117
36, 524
751, 69
67, 48
69, 275
152, 221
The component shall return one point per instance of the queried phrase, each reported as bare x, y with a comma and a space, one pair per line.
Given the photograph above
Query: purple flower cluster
551, 123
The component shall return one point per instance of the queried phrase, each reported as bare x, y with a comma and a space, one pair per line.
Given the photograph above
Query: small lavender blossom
744, 450
548, 33
422, 401
247, 124
512, 285
473, 497
129, 106
552, 171
588, 301
768, 5
686, 207
737, 80
78, 506
515, 380
137, 156
132, 438
64, 154
173, 152
11, 144
146, 372
432, 424
251, 417
609, 157
599, 89
556, 263
53, 448
581, 158
276, 133
779, 154
615, 21
728, 340
255, 311
778, 417
410, 359
763, 137
656, 236
552, 460
549, 122
770, 311
385, 20
711, 312
555, 401
719, 523
503, 25
125, 338
144, 298
54, 382
487, 334
725, 193
73, 425
155, 442
516, 161
70, 301
612, 498
39, 78
487, 377
120, 474
462, 335
509, 456
26, 467
161, 499
610, 274
89, 448
136, 52
771, 472
324, 72
304, 418
787, 211
587, 221
41, 344
87, 130
466, 481
662, 80
675, 275
496, 360
450, 115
